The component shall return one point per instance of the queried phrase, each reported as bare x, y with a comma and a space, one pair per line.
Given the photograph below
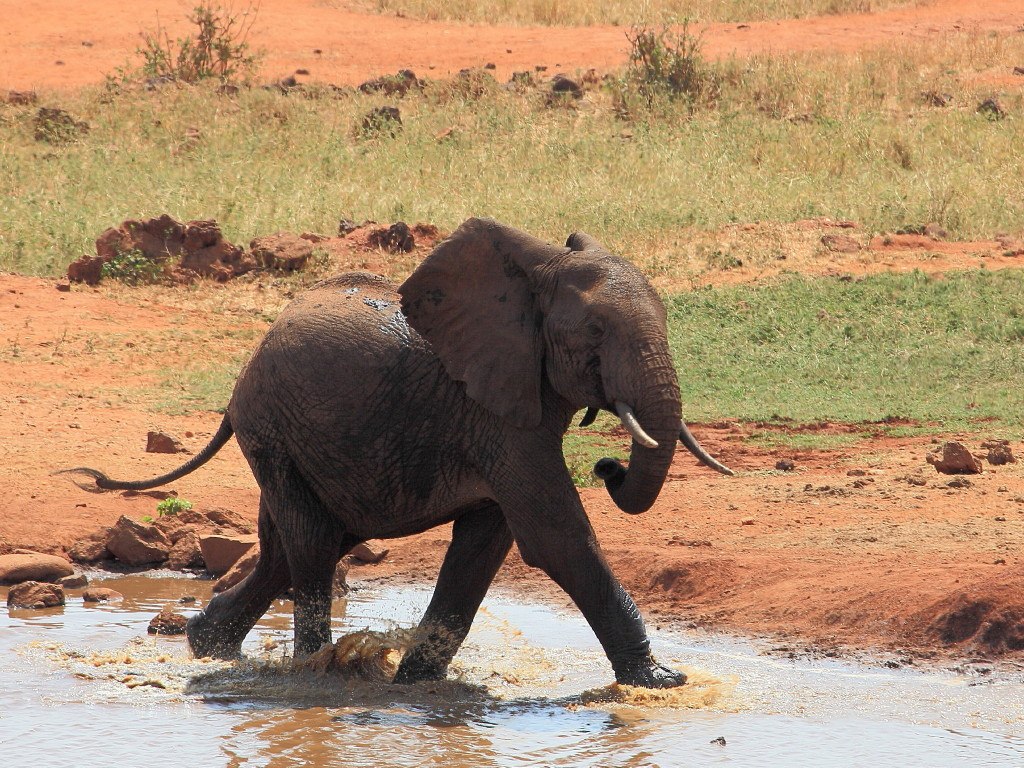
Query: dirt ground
861, 549
57, 44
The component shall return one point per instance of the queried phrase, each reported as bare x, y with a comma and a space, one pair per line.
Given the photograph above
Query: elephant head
505, 311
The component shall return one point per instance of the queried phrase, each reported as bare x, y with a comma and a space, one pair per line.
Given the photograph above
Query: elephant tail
104, 483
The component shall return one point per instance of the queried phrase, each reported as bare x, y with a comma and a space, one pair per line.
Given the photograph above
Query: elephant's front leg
553, 533
480, 542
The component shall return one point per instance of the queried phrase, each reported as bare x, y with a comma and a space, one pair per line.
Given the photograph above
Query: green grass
787, 139
947, 352
621, 12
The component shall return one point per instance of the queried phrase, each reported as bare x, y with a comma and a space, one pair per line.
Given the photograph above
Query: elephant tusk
589, 416
686, 438
633, 426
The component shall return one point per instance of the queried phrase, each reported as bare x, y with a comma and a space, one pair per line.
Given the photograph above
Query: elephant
375, 411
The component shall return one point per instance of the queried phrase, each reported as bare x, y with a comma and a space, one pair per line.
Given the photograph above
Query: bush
218, 50
665, 64
133, 268
172, 505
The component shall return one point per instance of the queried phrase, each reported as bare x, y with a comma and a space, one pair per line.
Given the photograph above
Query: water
85, 686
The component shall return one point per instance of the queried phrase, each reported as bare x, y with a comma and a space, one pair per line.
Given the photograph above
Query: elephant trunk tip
614, 476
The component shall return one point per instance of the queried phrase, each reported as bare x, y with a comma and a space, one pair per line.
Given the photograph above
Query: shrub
133, 268
665, 64
172, 505
217, 50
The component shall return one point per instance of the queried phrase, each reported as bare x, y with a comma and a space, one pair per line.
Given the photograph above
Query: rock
362, 554
91, 549
282, 251
954, 459
35, 594
101, 595
565, 86
33, 566
134, 543
840, 243
229, 519
382, 120
239, 570
397, 238
56, 126
992, 109
999, 452
63, 286
167, 622
208, 254
220, 551
88, 270
161, 442
393, 85
22, 98
74, 581
786, 465
937, 98
186, 553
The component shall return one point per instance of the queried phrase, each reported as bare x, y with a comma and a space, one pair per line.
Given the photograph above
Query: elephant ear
581, 241
472, 300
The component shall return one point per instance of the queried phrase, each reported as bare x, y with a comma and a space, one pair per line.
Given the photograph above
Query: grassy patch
936, 350
768, 438
621, 12
786, 139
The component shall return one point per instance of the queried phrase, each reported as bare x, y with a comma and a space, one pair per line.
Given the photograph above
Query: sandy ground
864, 548
57, 44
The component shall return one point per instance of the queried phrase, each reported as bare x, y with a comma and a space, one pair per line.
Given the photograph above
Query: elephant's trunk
657, 417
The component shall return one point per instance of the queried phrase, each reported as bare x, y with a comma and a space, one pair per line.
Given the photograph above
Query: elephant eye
595, 331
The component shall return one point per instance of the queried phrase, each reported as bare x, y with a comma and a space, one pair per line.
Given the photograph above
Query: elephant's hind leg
313, 542
480, 542
219, 630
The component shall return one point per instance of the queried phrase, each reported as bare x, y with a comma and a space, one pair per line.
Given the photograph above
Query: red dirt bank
843, 551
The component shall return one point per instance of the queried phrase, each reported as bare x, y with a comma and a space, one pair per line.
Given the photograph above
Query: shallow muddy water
86, 686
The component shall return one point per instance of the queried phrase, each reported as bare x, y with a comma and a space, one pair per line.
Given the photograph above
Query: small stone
840, 243
167, 622
999, 453
161, 442
953, 458
362, 554
63, 286
382, 120
992, 109
748, 521
856, 473
35, 594
101, 595
74, 581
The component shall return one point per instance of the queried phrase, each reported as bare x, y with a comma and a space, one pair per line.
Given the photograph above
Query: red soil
866, 547
56, 44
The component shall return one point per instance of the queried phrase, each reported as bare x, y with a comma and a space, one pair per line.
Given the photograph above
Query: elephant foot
206, 641
419, 668
649, 674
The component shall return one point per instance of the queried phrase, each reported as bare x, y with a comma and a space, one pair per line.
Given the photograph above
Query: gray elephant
374, 412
